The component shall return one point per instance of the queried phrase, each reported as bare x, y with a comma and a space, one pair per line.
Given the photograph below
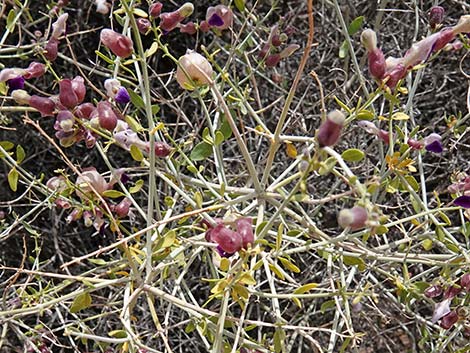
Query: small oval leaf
353, 155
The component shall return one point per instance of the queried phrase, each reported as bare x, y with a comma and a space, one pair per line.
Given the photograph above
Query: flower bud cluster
271, 52
229, 241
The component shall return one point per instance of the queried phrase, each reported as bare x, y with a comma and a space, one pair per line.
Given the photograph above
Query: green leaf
279, 340
99, 262
81, 301
201, 151
355, 261
226, 129
289, 265
133, 123
113, 194
343, 50
219, 138
355, 25
365, 115
136, 153
327, 305
7, 145
327, 166
20, 154
152, 50
155, 109
118, 333
136, 188
11, 20
136, 99
13, 179
240, 5
306, 288
104, 57
353, 155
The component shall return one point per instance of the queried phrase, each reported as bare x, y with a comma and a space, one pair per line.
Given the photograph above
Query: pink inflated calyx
354, 218
83, 111
155, 9
44, 105
118, 43
123, 207
329, 131
106, 116
35, 70
227, 239
376, 62
51, 49
436, 16
245, 229
67, 96
143, 25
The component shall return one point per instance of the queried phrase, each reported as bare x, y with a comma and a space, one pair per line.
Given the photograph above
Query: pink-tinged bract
433, 291
465, 282
329, 131
67, 96
35, 70
449, 320
228, 240
51, 49
245, 229
376, 61
107, 117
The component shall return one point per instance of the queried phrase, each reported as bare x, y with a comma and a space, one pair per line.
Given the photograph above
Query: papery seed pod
122, 208
107, 117
143, 25
220, 16
90, 178
67, 96
188, 28
449, 320
330, 130
51, 49
44, 105
119, 44
445, 36
35, 70
59, 26
83, 111
436, 16
193, 71
433, 291
245, 229
465, 282
155, 9
57, 184
228, 240
355, 218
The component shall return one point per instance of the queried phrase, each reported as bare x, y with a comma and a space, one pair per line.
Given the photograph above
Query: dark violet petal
102, 229
125, 178
216, 20
222, 253
122, 96
16, 83
462, 201
435, 147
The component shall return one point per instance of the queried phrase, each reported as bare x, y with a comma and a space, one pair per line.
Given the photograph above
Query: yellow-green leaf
306, 288
289, 265
118, 333
400, 116
353, 155
137, 186
81, 302
247, 279
13, 179
291, 150
113, 194
136, 153
20, 154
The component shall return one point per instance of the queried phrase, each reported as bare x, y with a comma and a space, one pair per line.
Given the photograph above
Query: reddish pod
118, 43
330, 130
107, 117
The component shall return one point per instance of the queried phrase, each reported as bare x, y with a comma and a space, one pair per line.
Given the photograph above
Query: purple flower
433, 143
223, 253
122, 96
16, 83
462, 201
215, 20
